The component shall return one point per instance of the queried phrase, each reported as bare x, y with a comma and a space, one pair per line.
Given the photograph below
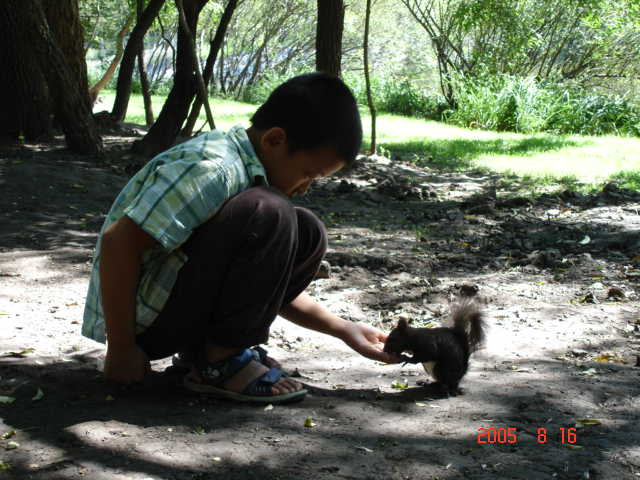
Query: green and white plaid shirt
173, 194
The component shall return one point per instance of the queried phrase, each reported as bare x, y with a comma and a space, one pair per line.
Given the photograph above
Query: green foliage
397, 96
509, 103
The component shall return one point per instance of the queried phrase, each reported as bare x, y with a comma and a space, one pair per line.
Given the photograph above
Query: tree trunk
37, 75
329, 36
175, 109
201, 88
27, 107
214, 48
123, 91
367, 80
63, 18
142, 72
113, 66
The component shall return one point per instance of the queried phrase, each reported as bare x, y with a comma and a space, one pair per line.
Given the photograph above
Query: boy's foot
185, 360
243, 378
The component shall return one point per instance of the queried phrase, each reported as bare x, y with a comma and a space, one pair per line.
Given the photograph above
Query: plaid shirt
172, 195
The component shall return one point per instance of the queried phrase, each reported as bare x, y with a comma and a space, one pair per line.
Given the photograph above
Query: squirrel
444, 352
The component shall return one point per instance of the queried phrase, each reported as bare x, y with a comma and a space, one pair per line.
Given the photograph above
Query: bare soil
557, 275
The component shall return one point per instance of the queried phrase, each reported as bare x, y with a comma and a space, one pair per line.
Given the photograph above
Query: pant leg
244, 264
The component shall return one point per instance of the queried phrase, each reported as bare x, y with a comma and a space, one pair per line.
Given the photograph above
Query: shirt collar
239, 137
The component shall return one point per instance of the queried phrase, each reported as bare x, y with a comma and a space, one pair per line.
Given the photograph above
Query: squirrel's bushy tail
468, 320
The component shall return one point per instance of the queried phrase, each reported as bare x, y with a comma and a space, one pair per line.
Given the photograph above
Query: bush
396, 96
507, 103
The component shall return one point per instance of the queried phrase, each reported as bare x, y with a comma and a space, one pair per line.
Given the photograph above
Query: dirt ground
557, 275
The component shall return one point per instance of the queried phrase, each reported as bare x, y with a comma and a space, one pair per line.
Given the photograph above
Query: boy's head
308, 128
315, 110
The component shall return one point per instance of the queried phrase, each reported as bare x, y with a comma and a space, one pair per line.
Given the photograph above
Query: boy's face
293, 173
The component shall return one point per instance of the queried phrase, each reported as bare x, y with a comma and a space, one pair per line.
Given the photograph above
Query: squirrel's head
397, 340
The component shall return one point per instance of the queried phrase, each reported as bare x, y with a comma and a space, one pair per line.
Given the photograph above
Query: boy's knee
311, 226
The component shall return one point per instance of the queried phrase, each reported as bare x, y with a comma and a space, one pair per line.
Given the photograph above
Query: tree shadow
362, 433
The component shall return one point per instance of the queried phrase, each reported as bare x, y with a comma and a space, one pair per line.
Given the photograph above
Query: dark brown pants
258, 253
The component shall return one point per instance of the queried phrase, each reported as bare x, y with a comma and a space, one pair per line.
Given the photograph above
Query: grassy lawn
541, 158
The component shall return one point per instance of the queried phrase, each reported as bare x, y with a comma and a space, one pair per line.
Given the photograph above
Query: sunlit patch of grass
570, 161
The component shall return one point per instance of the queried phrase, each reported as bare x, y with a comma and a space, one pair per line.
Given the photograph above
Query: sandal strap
261, 386
219, 372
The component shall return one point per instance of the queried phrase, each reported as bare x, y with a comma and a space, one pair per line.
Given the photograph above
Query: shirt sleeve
178, 197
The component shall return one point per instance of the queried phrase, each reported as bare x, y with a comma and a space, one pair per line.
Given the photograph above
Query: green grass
544, 159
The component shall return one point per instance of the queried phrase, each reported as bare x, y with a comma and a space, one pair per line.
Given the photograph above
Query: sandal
214, 376
185, 360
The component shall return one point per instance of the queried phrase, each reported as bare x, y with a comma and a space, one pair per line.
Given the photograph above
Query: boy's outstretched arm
122, 246
363, 338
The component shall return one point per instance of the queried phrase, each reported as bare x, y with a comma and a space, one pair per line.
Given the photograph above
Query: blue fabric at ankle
237, 362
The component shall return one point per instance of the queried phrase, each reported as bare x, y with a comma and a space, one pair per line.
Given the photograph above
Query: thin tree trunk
123, 92
113, 66
202, 88
214, 49
329, 36
175, 109
142, 72
367, 80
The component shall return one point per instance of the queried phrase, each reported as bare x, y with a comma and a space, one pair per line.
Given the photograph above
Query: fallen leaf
268, 407
420, 404
109, 398
199, 431
27, 351
308, 422
587, 421
7, 400
38, 396
364, 449
4, 466
589, 373
216, 459
573, 447
400, 385
72, 304
585, 240
8, 435
12, 445
4, 313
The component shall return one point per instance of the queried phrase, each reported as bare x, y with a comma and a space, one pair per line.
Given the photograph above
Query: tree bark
123, 91
214, 49
365, 47
329, 36
175, 109
142, 72
113, 66
63, 18
37, 75
201, 88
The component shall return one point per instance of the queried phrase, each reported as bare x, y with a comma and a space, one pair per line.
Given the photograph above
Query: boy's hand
368, 341
125, 364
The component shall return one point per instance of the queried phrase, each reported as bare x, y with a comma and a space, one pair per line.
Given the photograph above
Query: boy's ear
403, 324
274, 137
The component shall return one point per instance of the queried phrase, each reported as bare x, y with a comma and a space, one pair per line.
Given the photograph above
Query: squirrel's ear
402, 324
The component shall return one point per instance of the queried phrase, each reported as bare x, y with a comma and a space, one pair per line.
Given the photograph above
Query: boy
203, 248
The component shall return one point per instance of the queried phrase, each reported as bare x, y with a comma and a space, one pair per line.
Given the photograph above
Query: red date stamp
510, 435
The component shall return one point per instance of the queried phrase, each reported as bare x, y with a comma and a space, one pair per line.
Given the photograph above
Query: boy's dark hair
315, 110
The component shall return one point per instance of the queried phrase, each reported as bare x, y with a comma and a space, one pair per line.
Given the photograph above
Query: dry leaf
38, 396
308, 422
364, 449
588, 421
